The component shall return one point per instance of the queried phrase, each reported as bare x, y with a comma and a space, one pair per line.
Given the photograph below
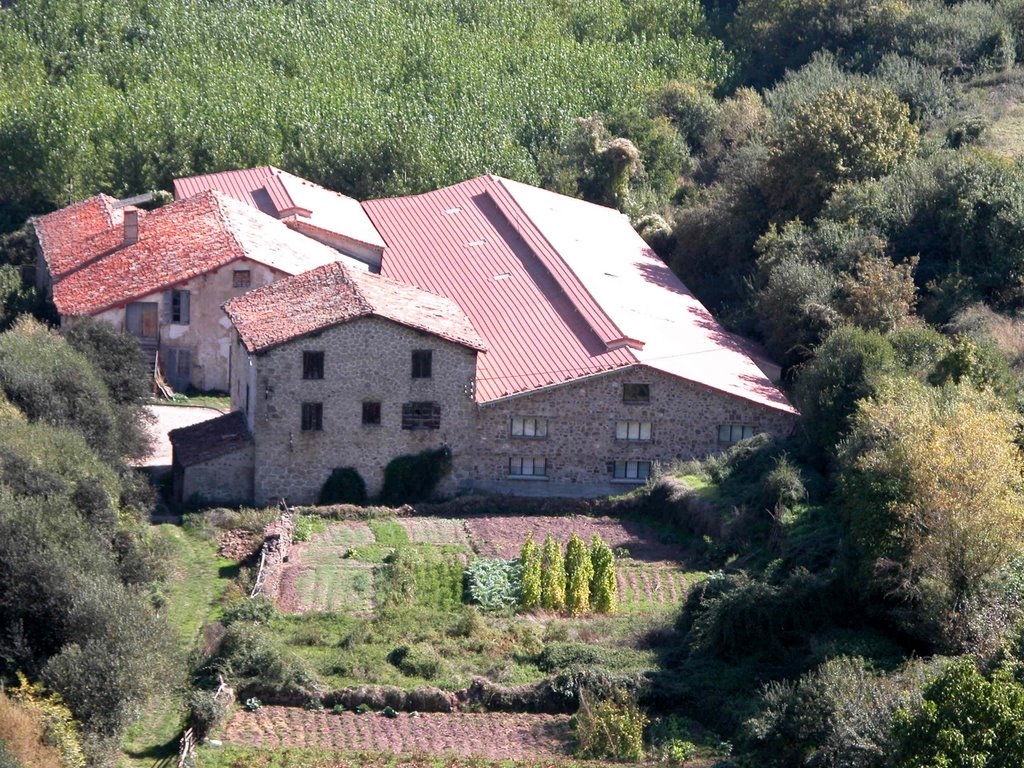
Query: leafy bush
256, 610
419, 660
344, 486
610, 729
408, 479
579, 572
531, 569
604, 589
837, 716
494, 584
784, 485
964, 720
552, 582
250, 653
306, 526
206, 711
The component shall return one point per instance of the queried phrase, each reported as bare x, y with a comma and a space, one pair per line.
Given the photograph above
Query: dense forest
839, 179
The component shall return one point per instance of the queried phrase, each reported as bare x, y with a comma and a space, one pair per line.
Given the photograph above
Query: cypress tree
552, 576
579, 572
604, 590
530, 590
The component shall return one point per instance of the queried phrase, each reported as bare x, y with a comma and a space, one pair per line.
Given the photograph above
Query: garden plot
435, 530
327, 574
501, 736
503, 535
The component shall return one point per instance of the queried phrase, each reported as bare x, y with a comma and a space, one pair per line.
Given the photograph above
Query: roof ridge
580, 285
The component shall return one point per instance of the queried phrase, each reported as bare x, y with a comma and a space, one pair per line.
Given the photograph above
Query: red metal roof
94, 269
295, 200
332, 294
560, 289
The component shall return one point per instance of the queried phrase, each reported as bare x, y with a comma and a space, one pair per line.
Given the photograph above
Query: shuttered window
527, 466
733, 433
177, 307
421, 416
631, 470
312, 417
529, 426
633, 430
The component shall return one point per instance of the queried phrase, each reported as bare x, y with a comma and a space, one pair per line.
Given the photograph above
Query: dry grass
21, 731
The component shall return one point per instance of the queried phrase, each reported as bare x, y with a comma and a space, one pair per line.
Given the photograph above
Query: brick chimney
131, 225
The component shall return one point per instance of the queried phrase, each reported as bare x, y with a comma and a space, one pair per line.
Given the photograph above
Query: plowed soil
497, 736
503, 535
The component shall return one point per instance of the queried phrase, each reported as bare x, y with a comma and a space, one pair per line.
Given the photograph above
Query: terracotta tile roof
332, 294
210, 439
300, 203
560, 289
94, 269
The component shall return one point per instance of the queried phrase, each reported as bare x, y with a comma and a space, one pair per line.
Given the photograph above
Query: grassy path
193, 592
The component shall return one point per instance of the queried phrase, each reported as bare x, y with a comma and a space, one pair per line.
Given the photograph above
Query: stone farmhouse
163, 275
535, 336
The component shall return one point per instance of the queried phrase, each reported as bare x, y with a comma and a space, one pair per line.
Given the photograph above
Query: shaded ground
503, 535
166, 418
490, 735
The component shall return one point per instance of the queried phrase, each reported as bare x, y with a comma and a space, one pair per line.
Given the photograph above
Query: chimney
131, 225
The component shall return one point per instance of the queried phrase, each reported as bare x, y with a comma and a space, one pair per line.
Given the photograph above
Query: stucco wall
581, 426
226, 479
209, 332
366, 359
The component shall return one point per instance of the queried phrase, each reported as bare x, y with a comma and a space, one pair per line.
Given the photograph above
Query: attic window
241, 278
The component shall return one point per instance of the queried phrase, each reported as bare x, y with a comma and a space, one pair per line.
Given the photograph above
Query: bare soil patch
435, 530
498, 736
503, 535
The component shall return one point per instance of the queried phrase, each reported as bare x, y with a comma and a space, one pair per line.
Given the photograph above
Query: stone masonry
368, 359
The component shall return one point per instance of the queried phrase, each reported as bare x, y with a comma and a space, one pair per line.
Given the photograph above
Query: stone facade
582, 417
365, 360
369, 359
226, 479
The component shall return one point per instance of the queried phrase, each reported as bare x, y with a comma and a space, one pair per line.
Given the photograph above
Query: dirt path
492, 735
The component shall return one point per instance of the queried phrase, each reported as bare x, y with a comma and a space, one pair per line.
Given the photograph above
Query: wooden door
141, 319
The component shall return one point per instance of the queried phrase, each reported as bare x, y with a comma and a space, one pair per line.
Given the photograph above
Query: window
176, 307
312, 417
422, 360
371, 412
732, 433
529, 426
633, 430
631, 470
527, 466
241, 278
636, 393
421, 416
312, 365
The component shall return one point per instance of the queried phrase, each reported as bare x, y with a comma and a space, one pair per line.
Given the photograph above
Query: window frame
746, 432
423, 420
620, 470
312, 419
423, 364
371, 409
520, 463
641, 393
539, 426
181, 306
640, 431
312, 364
237, 279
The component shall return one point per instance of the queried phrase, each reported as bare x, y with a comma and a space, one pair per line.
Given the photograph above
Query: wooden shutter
185, 306
168, 302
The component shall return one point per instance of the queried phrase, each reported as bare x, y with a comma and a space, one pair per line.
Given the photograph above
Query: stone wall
581, 432
225, 480
365, 359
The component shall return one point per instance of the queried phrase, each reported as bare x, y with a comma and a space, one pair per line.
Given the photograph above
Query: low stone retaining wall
277, 542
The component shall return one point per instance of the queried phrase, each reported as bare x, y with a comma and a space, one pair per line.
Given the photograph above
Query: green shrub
344, 486
552, 583
494, 584
256, 610
419, 660
604, 589
408, 479
579, 572
250, 653
964, 720
306, 526
531, 569
610, 729
206, 711
783, 485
